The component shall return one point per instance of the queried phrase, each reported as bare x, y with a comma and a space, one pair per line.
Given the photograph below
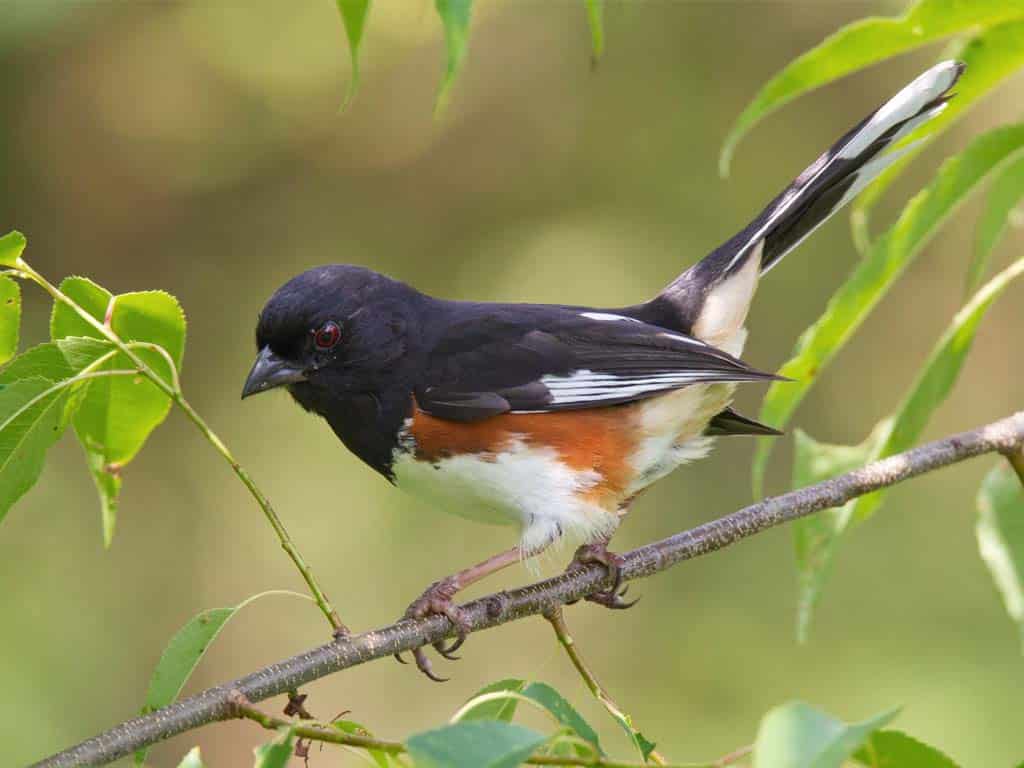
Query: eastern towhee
552, 418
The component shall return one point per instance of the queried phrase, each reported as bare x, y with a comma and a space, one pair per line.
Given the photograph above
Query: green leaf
33, 416
192, 759
1006, 192
563, 711
862, 43
875, 274
11, 246
455, 18
183, 653
494, 709
10, 318
595, 20
278, 752
378, 756
118, 414
353, 16
645, 746
935, 380
815, 536
1000, 531
59, 361
476, 744
991, 57
817, 540
795, 735
497, 708
895, 749
55, 361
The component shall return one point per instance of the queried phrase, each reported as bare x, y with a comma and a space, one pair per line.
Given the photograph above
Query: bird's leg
597, 552
437, 599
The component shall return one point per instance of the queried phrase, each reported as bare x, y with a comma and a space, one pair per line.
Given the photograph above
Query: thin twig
733, 757
556, 618
325, 732
503, 607
173, 391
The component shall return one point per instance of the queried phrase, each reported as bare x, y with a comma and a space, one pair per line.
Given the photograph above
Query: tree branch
215, 704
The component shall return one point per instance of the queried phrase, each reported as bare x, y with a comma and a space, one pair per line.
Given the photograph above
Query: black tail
826, 186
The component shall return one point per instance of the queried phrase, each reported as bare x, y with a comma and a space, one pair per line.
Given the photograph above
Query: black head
331, 332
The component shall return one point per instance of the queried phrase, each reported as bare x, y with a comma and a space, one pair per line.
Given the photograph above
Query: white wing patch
607, 317
586, 386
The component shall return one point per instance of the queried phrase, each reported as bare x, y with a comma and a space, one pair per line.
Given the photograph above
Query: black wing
536, 358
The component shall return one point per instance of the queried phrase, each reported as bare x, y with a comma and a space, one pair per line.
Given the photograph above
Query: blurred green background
197, 147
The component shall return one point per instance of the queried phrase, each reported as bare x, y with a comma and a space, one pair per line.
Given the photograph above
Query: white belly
525, 486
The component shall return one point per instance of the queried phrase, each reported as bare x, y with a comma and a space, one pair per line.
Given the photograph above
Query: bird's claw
613, 562
613, 600
437, 600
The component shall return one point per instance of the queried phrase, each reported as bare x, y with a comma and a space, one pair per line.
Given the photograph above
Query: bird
553, 418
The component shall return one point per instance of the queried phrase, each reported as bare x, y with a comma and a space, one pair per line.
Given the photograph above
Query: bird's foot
598, 553
437, 600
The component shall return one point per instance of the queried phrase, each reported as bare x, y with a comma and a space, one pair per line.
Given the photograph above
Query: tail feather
823, 188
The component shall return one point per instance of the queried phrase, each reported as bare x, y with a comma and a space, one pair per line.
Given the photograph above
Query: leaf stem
173, 391
556, 618
1016, 459
317, 731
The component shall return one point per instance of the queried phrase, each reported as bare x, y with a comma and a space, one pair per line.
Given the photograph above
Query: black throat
368, 423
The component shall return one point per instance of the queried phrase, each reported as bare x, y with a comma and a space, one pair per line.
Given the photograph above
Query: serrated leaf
595, 20
455, 16
494, 709
796, 735
353, 16
475, 744
1000, 532
814, 537
876, 273
862, 43
183, 653
33, 416
895, 749
118, 414
192, 759
276, 753
379, 756
11, 246
10, 318
1004, 195
991, 57
929, 391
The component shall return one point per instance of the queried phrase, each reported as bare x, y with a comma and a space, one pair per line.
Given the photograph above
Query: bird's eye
327, 335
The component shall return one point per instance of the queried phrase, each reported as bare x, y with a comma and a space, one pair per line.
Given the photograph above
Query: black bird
552, 418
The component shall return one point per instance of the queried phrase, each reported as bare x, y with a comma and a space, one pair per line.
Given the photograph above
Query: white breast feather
522, 485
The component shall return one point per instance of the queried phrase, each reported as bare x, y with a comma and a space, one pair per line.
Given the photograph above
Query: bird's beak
270, 371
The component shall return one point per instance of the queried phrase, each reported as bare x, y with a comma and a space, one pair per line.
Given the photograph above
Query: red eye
327, 335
